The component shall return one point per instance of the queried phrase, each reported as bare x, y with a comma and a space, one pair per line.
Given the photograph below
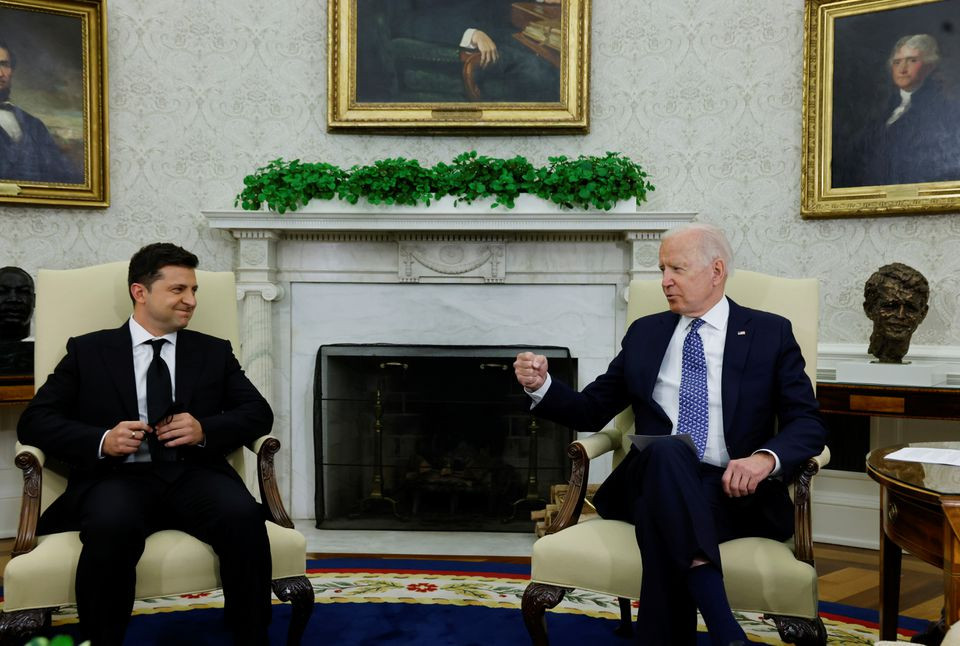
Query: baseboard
846, 509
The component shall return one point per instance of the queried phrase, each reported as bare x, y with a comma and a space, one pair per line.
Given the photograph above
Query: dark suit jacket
36, 157
768, 402
93, 388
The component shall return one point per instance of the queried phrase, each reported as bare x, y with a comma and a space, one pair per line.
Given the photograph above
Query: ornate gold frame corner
345, 114
819, 198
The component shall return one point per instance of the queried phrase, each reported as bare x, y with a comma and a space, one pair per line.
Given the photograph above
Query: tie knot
156, 344
694, 325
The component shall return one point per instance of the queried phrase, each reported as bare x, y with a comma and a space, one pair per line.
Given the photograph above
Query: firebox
432, 437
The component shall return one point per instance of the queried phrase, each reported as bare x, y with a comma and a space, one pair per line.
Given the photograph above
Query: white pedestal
893, 374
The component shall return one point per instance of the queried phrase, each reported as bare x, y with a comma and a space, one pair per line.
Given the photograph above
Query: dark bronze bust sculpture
895, 299
16, 309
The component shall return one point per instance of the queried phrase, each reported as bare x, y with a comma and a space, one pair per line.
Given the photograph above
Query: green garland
586, 182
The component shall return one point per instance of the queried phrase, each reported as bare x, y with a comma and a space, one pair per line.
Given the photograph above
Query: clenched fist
531, 370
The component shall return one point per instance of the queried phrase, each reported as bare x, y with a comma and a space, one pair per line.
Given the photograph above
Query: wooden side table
919, 512
16, 389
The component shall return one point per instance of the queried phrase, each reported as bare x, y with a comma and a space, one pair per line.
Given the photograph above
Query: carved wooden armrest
266, 447
581, 452
30, 460
471, 63
803, 524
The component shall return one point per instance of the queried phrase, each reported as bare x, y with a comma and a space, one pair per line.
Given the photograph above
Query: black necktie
159, 402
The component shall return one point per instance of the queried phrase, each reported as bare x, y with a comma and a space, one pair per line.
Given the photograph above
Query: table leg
951, 559
890, 556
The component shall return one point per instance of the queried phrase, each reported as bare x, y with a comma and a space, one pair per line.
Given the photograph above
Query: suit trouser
680, 513
119, 512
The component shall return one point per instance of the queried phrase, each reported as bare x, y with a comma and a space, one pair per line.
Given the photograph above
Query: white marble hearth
421, 277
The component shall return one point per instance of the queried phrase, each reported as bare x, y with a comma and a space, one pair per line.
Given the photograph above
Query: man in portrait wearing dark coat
508, 71
915, 135
28, 152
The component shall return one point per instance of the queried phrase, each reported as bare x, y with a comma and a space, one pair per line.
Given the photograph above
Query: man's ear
137, 291
719, 269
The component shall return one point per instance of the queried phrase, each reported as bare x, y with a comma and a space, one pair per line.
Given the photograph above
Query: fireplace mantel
403, 220
567, 266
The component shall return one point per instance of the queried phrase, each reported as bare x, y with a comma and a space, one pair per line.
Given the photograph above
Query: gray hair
712, 243
923, 43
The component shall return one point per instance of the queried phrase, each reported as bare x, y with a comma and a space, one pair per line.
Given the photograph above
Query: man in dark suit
27, 150
508, 71
135, 470
913, 136
729, 377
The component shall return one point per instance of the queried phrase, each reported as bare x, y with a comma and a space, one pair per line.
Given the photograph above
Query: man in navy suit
27, 150
508, 70
759, 422
134, 472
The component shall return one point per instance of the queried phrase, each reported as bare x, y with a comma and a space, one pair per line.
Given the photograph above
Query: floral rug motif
485, 584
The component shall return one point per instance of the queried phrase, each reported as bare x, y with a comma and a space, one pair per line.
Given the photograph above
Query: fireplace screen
432, 437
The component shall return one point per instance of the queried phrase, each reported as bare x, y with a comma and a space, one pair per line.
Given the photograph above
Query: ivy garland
585, 182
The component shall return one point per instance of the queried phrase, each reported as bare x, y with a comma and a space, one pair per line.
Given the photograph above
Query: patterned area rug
414, 601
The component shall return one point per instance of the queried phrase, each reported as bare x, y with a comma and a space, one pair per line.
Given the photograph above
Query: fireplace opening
432, 437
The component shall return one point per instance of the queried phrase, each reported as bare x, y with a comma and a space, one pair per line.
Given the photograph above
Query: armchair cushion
761, 575
172, 562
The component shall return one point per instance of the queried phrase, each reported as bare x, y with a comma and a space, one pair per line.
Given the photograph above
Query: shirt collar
715, 317
140, 335
905, 96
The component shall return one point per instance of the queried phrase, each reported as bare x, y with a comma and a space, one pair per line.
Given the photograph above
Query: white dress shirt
142, 357
666, 391
900, 109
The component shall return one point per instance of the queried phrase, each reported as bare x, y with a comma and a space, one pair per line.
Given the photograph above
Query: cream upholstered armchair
760, 574
40, 576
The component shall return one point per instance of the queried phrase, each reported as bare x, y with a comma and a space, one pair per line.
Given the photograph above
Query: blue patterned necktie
694, 415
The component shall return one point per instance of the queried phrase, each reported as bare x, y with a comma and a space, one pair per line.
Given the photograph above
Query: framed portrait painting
53, 103
881, 108
438, 66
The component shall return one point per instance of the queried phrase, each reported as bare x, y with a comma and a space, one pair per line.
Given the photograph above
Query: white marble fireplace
419, 277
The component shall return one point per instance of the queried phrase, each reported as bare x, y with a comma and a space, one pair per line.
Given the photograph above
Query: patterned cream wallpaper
705, 93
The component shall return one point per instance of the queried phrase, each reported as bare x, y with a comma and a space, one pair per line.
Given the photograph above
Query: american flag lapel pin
741, 333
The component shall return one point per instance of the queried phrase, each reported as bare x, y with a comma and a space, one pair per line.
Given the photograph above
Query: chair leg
19, 626
298, 591
537, 599
625, 629
800, 631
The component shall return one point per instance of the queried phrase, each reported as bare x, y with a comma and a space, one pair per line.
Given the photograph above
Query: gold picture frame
412, 66
868, 149
53, 103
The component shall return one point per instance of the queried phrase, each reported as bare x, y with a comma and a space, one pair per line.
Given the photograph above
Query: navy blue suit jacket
768, 401
93, 388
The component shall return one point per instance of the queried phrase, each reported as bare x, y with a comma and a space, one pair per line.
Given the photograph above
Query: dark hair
13, 54
145, 265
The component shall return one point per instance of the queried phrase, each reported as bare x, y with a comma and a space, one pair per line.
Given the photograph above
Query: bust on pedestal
895, 298
16, 309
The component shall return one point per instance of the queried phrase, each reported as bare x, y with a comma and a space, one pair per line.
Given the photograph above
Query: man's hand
182, 429
742, 476
124, 438
531, 370
488, 48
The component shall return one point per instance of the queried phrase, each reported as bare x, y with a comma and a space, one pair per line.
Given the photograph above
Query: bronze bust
16, 309
895, 299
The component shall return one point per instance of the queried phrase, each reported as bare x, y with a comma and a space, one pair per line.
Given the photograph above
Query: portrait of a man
458, 51
17, 299
896, 119
41, 115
